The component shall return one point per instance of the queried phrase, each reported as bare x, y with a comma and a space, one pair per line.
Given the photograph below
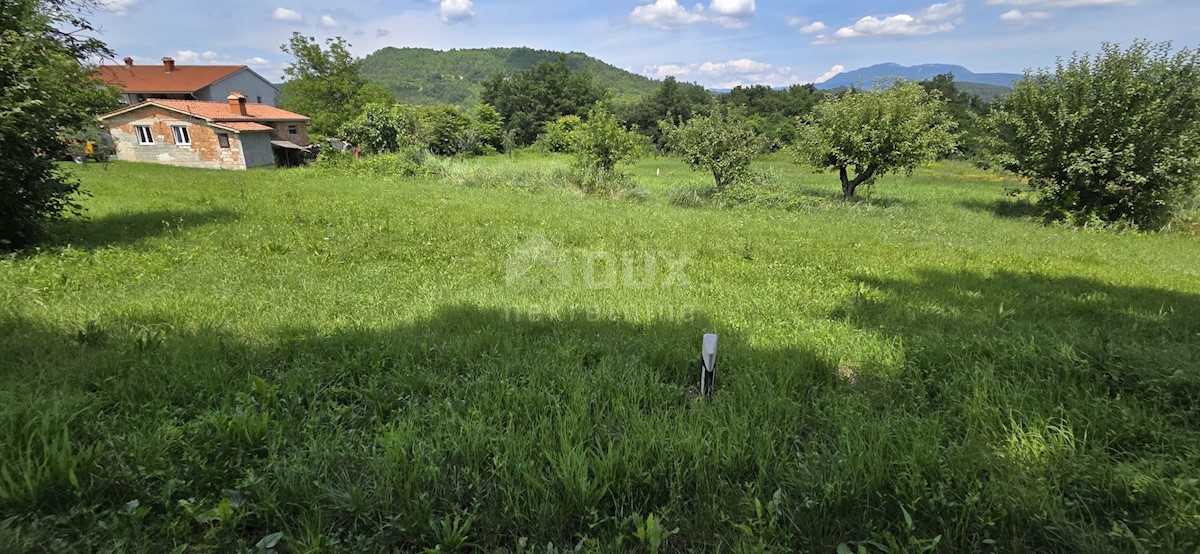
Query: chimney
237, 104
169, 64
128, 62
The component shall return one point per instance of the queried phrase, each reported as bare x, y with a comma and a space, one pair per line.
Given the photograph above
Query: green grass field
387, 364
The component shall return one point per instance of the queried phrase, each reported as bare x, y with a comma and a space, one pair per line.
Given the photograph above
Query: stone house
235, 134
208, 83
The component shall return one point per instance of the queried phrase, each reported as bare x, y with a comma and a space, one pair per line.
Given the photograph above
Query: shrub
1115, 137
721, 143
690, 196
559, 135
613, 184
602, 142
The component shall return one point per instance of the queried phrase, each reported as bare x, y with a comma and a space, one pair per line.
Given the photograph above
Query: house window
259, 99
223, 140
182, 137
143, 134
293, 129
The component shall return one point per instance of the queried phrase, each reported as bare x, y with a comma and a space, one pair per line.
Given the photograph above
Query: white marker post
708, 362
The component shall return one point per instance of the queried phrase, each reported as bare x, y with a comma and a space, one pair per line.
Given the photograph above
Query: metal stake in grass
708, 365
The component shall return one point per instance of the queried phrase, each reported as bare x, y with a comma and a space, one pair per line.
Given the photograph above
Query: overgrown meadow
487, 361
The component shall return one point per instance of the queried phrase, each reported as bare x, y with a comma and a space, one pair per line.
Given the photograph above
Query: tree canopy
326, 84
722, 143
1115, 137
673, 102
46, 94
543, 93
876, 132
773, 112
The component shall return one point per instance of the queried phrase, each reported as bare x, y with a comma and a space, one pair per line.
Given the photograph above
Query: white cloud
943, 11
453, 11
259, 62
286, 15
733, 8
666, 70
191, 56
814, 27
1064, 3
1018, 16
743, 66
833, 72
804, 26
670, 14
727, 74
667, 14
328, 22
933, 19
118, 7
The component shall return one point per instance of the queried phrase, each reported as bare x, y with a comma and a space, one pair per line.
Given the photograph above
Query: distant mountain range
424, 76
867, 76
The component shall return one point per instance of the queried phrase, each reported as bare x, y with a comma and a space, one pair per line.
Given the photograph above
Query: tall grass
324, 362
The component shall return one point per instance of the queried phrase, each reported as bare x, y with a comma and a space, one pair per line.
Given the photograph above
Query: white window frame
181, 135
145, 136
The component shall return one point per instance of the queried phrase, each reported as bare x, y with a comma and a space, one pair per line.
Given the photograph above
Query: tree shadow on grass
1081, 389
1120, 337
532, 422
866, 196
125, 228
1007, 208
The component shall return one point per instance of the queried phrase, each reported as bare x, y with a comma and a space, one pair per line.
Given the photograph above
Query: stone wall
204, 151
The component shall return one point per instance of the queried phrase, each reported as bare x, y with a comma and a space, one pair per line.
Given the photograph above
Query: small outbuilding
215, 135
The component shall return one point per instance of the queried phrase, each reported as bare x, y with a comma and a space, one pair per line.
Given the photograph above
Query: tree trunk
849, 185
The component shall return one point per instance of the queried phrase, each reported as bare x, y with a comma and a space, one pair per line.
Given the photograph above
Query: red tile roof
143, 79
240, 126
220, 111
220, 114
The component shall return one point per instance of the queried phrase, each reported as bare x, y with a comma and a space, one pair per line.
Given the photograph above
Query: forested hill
424, 76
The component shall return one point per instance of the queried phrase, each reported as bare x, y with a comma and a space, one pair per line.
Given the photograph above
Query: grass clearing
367, 364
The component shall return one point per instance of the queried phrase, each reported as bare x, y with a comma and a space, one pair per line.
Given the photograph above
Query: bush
602, 142
559, 135
613, 184
1110, 138
721, 143
409, 162
442, 130
690, 196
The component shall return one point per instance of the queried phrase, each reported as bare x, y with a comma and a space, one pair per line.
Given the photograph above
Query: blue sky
718, 43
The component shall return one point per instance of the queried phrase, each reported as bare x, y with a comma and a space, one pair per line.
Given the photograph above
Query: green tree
722, 143
545, 92
448, 131
601, 142
46, 93
380, 128
489, 125
559, 135
674, 102
874, 133
1115, 137
967, 110
326, 84
771, 112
